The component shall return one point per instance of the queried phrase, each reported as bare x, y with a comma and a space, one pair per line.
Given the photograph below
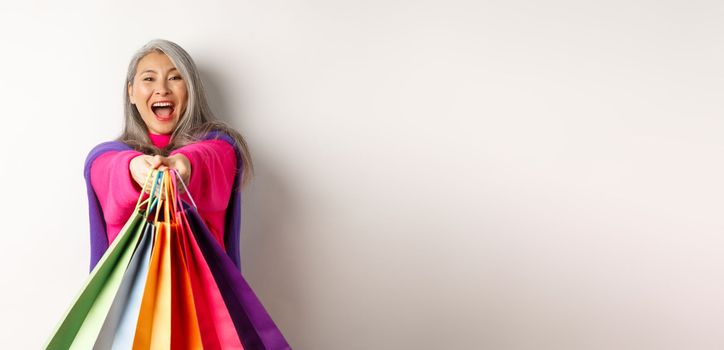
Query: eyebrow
153, 71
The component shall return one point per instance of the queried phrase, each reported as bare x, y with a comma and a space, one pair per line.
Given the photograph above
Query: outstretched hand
140, 167
182, 165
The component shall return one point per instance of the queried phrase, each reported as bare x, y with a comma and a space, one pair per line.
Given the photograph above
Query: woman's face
158, 80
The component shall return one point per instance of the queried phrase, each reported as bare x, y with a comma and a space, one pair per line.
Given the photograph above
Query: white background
430, 174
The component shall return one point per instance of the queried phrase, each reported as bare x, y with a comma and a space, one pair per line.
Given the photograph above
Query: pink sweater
213, 168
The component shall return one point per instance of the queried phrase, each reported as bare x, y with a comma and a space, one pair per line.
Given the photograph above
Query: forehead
155, 62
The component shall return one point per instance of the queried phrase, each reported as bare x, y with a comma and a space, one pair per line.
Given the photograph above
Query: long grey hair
197, 120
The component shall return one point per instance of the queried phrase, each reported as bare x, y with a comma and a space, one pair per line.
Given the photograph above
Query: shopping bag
165, 282
119, 327
217, 328
83, 320
251, 320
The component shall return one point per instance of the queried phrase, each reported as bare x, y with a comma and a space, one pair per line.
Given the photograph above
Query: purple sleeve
116, 190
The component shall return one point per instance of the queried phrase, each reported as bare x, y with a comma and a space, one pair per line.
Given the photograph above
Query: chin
162, 128
165, 130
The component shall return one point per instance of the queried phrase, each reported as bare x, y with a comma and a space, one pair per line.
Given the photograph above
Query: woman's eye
150, 78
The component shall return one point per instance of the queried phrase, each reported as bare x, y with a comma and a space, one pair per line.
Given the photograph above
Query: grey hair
197, 119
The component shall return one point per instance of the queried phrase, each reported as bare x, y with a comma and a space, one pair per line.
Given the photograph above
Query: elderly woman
168, 124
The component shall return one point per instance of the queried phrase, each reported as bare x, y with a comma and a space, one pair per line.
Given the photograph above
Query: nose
162, 89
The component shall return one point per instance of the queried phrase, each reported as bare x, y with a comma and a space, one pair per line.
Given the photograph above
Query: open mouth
163, 110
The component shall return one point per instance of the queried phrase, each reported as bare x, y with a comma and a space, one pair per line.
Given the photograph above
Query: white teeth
162, 104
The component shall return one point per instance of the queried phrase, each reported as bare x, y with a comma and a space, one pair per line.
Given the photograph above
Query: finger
167, 161
154, 161
145, 181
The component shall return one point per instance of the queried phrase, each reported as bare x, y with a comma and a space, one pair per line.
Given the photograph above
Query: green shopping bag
85, 317
83, 321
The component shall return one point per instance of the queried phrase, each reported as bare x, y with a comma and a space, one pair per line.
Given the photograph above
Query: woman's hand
141, 165
182, 165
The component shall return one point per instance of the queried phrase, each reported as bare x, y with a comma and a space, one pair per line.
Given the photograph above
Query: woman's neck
159, 140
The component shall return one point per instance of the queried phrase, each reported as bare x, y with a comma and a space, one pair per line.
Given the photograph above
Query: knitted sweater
213, 171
